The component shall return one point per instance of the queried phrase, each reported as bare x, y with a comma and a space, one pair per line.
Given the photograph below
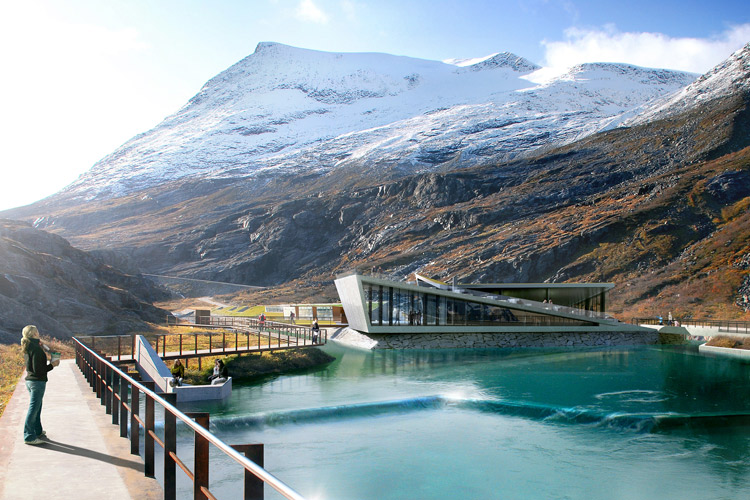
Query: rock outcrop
65, 291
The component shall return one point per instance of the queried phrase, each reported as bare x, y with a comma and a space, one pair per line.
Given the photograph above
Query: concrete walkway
85, 457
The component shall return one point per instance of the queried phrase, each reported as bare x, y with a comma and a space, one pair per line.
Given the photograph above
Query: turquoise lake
620, 423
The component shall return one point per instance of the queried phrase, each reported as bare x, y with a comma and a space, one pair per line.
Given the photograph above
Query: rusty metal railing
187, 345
120, 395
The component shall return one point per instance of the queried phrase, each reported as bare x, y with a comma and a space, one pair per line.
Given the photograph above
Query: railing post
148, 439
200, 467
135, 432
89, 369
170, 447
253, 484
99, 379
115, 393
123, 408
105, 388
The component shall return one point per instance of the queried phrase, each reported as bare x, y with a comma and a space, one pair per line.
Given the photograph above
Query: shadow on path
94, 455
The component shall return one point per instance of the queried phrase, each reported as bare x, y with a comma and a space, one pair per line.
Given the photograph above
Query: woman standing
36, 382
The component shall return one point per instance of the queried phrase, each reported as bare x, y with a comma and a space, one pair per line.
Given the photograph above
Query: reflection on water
636, 423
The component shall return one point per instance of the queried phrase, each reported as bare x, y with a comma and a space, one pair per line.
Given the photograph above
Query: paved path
85, 459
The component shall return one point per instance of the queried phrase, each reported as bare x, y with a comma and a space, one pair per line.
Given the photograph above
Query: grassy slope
252, 366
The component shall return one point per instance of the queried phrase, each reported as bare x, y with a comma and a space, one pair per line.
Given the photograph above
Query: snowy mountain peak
286, 110
497, 60
609, 71
729, 77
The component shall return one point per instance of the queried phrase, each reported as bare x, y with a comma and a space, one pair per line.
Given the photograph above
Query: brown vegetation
252, 366
730, 342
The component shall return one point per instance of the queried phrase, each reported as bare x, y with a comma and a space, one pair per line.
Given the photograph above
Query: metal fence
121, 395
243, 339
723, 326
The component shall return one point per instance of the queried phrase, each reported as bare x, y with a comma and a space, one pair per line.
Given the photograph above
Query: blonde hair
29, 332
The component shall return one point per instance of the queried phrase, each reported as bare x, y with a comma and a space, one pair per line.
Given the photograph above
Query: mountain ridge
284, 109
657, 207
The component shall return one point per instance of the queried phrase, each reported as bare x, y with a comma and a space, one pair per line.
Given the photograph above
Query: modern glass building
376, 305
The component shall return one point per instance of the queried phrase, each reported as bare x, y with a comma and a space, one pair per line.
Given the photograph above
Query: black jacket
36, 362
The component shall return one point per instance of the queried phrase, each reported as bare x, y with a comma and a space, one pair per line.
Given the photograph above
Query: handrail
248, 465
736, 325
275, 340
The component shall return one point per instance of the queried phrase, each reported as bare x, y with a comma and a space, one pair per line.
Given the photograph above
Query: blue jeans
32, 428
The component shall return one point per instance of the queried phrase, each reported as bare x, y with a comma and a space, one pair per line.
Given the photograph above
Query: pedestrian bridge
221, 336
698, 329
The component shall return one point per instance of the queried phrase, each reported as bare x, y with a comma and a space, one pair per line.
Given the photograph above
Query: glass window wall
397, 306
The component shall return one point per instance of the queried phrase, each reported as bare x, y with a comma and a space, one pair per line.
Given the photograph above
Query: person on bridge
315, 331
220, 375
36, 383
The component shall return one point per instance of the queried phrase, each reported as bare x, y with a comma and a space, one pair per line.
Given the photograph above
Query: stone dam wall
354, 338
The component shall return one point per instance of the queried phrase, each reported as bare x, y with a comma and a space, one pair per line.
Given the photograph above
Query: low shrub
729, 342
250, 366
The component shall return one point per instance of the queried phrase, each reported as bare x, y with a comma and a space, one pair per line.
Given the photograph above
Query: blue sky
81, 77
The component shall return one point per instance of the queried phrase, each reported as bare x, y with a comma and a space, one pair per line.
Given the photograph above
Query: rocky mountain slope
658, 207
65, 291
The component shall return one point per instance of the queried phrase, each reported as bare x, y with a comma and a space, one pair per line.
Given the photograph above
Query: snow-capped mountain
727, 78
287, 110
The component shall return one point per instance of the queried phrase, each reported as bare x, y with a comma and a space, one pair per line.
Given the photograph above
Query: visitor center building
429, 313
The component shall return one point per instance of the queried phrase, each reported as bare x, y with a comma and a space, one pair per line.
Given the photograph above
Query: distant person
178, 373
220, 375
261, 320
291, 317
36, 383
661, 320
669, 318
315, 331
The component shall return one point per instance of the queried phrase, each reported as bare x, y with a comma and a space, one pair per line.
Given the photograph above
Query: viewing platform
85, 457
212, 339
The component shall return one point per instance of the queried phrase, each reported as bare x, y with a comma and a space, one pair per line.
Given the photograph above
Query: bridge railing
121, 395
195, 344
723, 326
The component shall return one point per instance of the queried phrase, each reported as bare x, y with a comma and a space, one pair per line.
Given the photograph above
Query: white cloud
654, 50
308, 11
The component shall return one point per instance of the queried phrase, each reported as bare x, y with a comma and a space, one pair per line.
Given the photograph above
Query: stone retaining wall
727, 352
483, 340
